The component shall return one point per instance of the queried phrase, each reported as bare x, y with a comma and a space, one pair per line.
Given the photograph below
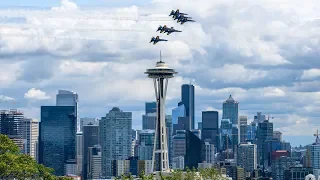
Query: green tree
13, 164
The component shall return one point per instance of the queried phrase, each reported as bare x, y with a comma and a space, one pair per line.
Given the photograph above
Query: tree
13, 164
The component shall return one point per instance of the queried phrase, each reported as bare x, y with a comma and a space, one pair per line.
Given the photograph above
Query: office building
210, 127
277, 135
79, 145
178, 163
30, 135
230, 110
314, 153
200, 125
57, 138
94, 163
279, 165
11, 125
149, 121
259, 118
115, 138
177, 112
264, 133
150, 107
209, 150
187, 99
146, 142
194, 150
226, 134
87, 120
243, 120
90, 139
179, 144
297, 173
247, 157
243, 133
69, 98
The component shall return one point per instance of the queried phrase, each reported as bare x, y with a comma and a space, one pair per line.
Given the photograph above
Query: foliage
13, 164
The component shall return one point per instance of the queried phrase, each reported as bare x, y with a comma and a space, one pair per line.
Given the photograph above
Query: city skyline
266, 69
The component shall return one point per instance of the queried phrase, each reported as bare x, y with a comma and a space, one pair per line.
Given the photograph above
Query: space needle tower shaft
160, 75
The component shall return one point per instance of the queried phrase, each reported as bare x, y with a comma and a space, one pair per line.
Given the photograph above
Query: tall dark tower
160, 75
187, 99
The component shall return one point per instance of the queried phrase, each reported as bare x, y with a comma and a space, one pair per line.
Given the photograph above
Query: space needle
160, 75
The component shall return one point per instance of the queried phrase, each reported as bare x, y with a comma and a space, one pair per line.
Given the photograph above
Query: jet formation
176, 15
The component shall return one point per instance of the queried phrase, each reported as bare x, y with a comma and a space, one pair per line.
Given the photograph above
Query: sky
265, 53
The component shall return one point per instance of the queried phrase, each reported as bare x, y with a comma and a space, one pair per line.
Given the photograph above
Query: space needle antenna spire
160, 75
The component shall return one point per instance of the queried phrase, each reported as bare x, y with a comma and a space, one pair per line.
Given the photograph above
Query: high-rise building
94, 162
264, 133
230, 110
57, 138
187, 99
146, 142
247, 157
277, 135
69, 98
79, 145
30, 136
150, 107
259, 118
179, 144
226, 134
149, 121
178, 163
11, 125
209, 153
210, 127
177, 112
194, 150
243, 120
87, 120
200, 125
90, 139
243, 133
314, 153
115, 138
279, 165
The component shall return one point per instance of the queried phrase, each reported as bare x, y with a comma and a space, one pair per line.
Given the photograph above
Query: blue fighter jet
167, 30
176, 13
156, 40
184, 19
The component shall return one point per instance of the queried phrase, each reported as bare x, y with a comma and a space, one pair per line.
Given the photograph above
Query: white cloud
36, 94
66, 5
310, 74
6, 98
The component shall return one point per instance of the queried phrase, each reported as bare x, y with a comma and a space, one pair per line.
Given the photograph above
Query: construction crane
227, 141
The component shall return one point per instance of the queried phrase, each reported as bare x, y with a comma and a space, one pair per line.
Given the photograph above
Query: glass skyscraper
177, 112
210, 127
151, 107
187, 99
230, 110
68, 98
57, 140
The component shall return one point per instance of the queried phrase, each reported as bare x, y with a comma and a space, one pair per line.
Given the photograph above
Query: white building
209, 153
94, 162
30, 136
178, 162
247, 157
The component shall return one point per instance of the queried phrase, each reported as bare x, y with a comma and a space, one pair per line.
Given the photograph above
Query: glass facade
210, 127
90, 139
177, 112
187, 99
151, 107
194, 150
57, 137
230, 110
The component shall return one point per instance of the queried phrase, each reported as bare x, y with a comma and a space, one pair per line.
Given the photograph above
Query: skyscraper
314, 152
247, 157
195, 149
57, 140
151, 107
177, 112
264, 133
68, 98
230, 110
11, 125
210, 127
115, 138
187, 99
90, 139
243, 120
30, 136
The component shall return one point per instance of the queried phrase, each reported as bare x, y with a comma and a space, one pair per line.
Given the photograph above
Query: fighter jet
176, 13
156, 40
185, 19
162, 29
167, 30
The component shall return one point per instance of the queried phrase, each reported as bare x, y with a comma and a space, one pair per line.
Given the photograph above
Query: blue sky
265, 53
